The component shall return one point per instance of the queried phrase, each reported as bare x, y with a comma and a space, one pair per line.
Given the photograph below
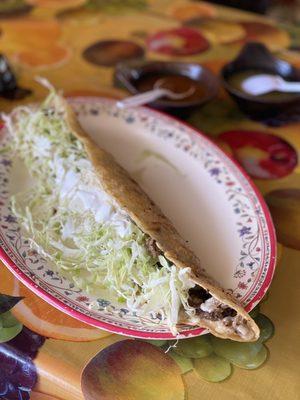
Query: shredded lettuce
74, 224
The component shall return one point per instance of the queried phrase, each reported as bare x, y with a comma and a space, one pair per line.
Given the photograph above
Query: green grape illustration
213, 368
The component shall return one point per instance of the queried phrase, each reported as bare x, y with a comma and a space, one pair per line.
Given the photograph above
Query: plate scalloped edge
66, 303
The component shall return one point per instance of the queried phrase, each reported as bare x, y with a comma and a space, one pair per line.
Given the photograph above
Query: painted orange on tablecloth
44, 319
184, 12
219, 31
65, 360
133, 370
24, 40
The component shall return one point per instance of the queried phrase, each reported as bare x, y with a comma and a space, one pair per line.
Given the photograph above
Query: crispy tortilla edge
117, 183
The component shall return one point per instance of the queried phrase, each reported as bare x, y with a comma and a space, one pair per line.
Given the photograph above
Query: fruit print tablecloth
47, 355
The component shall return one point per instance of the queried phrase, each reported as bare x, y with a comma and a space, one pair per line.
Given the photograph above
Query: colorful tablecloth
76, 44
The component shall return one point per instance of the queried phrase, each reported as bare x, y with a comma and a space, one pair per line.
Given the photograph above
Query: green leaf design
158, 343
254, 313
184, 363
7, 302
7, 320
236, 352
116, 6
213, 368
197, 347
12, 5
256, 361
266, 327
9, 327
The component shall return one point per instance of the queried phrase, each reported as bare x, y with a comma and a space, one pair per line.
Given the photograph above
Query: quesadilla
96, 226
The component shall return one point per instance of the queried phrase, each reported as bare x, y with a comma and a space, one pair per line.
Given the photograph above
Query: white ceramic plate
208, 198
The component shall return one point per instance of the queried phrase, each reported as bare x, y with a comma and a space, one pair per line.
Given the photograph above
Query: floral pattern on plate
252, 229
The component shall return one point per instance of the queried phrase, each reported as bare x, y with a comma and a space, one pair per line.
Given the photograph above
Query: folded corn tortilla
97, 226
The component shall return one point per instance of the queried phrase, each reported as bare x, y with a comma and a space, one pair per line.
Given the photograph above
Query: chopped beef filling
152, 247
219, 313
228, 312
198, 296
209, 308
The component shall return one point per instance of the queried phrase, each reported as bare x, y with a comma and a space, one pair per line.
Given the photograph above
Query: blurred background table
67, 42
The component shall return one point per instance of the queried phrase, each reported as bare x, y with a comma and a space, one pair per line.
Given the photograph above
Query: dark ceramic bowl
256, 56
127, 74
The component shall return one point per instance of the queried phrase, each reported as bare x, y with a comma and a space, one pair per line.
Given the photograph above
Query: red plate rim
4, 257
